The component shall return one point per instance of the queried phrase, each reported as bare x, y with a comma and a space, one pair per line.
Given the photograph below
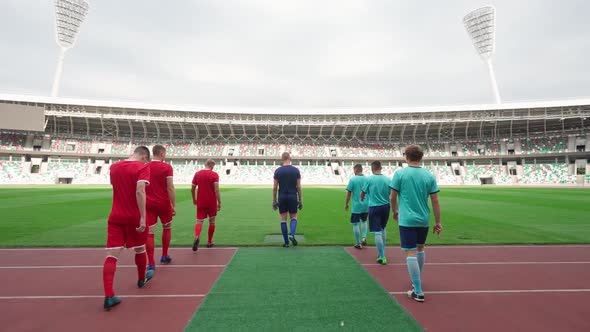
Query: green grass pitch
76, 216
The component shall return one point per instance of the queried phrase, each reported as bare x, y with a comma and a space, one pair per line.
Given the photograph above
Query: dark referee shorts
378, 217
412, 237
288, 203
356, 217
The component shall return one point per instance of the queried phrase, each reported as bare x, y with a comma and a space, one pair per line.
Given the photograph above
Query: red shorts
125, 235
204, 212
153, 212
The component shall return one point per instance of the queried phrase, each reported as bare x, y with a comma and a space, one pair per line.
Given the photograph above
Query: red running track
493, 288
61, 290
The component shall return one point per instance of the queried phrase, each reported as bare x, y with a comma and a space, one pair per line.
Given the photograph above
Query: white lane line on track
501, 291
484, 263
65, 297
100, 266
102, 249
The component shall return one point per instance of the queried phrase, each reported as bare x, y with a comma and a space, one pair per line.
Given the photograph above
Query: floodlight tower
69, 15
481, 27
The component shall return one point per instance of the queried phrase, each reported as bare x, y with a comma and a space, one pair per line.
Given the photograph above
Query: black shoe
210, 245
196, 245
110, 302
364, 242
293, 240
286, 245
148, 277
358, 246
416, 297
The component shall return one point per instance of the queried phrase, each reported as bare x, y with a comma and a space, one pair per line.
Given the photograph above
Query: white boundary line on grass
501, 291
484, 263
100, 266
66, 297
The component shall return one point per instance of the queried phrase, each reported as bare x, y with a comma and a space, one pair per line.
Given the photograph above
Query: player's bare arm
140, 196
275, 188
436, 208
171, 193
348, 195
217, 195
193, 193
300, 203
393, 203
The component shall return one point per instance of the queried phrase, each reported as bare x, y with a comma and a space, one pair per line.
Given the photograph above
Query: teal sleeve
396, 181
365, 187
434, 187
349, 186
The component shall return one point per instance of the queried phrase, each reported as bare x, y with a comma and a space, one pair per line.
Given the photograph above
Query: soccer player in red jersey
161, 203
207, 201
127, 220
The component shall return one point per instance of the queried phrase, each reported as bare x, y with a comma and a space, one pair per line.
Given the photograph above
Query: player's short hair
285, 156
376, 165
414, 153
210, 163
158, 150
142, 151
358, 168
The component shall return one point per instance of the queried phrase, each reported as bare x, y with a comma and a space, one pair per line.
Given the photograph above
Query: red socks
166, 236
149, 247
141, 262
210, 233
108, 275
198, 227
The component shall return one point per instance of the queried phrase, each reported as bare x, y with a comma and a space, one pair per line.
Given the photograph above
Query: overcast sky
298, 53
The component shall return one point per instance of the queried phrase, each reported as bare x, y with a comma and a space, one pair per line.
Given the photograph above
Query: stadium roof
289, 111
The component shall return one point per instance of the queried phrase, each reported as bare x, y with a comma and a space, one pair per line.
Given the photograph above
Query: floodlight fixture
69, 15
481, 27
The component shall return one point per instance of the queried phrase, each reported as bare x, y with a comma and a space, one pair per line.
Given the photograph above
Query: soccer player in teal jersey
360, 210
412, 186
376, 190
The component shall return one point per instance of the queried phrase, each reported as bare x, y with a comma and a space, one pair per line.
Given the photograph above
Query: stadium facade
60, 140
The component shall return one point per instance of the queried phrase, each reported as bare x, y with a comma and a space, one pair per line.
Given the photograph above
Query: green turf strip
298, 289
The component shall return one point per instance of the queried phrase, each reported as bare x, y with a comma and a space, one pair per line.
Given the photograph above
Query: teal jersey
377, 190
414, 185
355, 186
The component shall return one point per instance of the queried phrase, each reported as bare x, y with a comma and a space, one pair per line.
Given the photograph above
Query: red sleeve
215, 177
144, 174
195, 180
170, 171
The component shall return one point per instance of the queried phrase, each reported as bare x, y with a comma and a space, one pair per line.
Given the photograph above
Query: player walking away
360, 209
127, 220
161, 203
412, 185
207, 200
287, 181
376, 189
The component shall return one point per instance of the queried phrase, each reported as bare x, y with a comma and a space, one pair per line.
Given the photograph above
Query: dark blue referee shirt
287, 177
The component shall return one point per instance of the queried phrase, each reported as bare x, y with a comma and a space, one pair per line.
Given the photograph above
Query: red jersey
125, 175
204, 180
157, 191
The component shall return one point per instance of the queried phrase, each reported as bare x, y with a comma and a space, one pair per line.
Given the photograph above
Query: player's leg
420, 245
356, 230
115, 244
211, 231
166, 219
293, 217
166, 238
408, 240
136, 241
201, 216
283, 209
375, 228
151, 220
364, 228
384, 212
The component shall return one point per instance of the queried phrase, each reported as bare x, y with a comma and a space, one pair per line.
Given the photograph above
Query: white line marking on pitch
100, 266
485, 263
53, 297
500, 291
